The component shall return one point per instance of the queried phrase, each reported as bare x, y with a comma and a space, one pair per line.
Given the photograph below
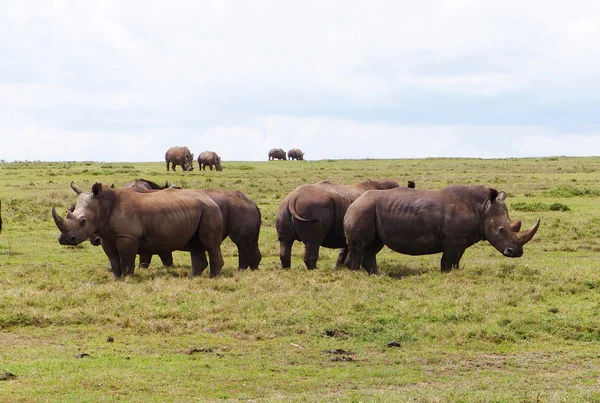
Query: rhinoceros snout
67, 240
513, 252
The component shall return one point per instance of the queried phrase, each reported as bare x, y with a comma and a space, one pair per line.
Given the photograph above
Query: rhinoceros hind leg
199, 262
354, 258
341, 258
216, 260
145, 261
256, 257
311, 255
369, 260
285, 253
166, 259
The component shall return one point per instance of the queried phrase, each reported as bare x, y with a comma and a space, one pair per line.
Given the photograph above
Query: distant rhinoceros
421, 222
295, 154
180, 156
153, 223
209, 159
276, 154
314, 214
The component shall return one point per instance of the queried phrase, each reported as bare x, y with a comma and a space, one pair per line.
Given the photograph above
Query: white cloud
318, 74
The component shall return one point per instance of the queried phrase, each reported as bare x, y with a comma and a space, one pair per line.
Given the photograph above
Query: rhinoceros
421, 222
209, 159
276, 154
295, 154
314, 214
143, 184
180, 156
241, 223
147, 223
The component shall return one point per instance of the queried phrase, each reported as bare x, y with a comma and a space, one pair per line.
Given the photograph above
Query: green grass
497, 329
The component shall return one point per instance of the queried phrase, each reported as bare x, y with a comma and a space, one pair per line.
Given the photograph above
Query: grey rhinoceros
209, 159
314, 214
146, 223
295, 154
421, 222
276, 154
180, 156
241, 223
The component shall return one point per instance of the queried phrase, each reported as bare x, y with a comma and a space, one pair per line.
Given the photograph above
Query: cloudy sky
124, 80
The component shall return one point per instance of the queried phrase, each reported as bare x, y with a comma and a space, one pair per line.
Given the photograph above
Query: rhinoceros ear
493, 194
97, 189
501, 195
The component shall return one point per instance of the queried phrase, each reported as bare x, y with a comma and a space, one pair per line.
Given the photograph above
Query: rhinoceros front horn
75, 188
525, 236
58, 220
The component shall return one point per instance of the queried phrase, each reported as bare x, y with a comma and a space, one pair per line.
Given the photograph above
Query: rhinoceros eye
82, 222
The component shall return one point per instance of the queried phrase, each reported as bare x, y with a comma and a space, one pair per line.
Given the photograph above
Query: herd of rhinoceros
146, 219
181, 155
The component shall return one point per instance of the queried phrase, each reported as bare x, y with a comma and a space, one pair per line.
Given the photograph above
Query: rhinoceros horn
525, 236
58, 220
515, 226
75, 188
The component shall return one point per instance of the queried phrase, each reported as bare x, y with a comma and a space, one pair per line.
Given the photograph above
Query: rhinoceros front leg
110, 248
166, 259
452, 253
127, 249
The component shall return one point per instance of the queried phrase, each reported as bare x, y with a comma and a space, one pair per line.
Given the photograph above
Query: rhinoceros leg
110, 248
354, 257
369, 259
145, 261
216, 259
166, 259
127, 249
311, 255
451, 256
199, 262
341, 257
256, 256
285, 253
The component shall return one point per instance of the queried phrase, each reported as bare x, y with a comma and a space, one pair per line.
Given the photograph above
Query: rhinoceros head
81, 221
502, 233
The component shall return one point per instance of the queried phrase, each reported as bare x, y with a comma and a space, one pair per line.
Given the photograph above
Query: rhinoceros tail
294, 213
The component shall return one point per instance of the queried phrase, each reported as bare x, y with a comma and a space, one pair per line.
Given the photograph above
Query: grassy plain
497, 329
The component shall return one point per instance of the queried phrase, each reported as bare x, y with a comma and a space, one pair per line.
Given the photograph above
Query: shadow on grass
400, 272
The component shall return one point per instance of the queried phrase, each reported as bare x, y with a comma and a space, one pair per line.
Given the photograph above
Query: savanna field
497, 329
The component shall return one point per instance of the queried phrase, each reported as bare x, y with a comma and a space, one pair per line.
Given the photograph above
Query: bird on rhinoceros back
314, 215
422, 222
